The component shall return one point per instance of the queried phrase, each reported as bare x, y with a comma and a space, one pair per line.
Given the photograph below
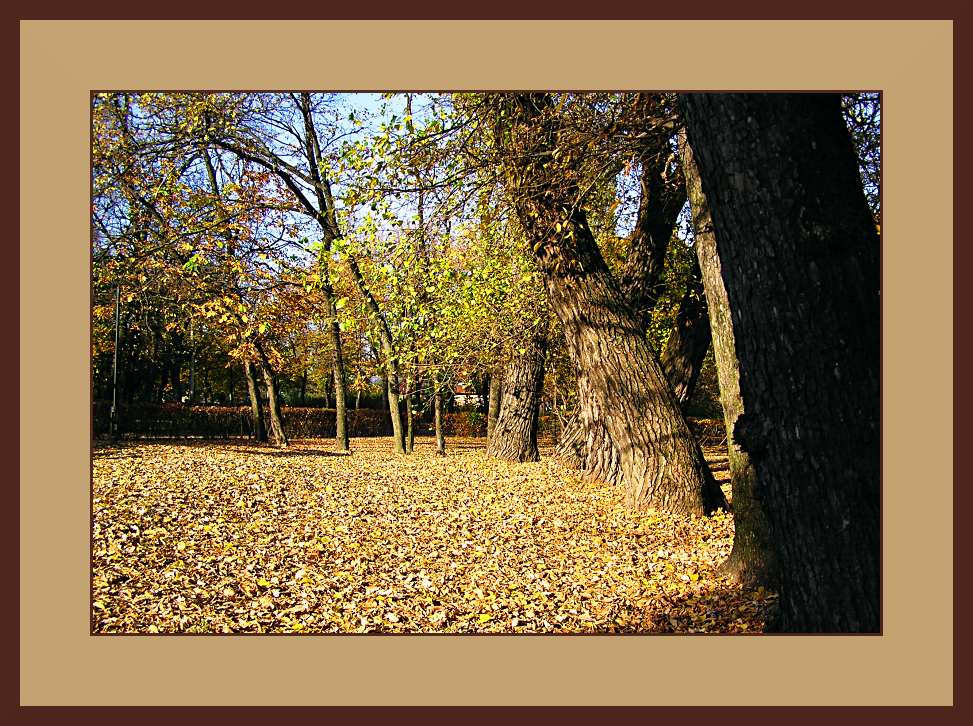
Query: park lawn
238, 538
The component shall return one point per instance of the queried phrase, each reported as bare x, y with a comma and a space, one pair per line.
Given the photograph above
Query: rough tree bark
800, 261
277, 435
661, 464
684, 351
256, 410
585, 443
514, 437
752, 560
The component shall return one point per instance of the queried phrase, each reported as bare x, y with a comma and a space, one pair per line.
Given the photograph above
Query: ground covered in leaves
238, 538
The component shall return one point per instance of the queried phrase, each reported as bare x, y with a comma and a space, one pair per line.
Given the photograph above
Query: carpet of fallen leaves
239, 538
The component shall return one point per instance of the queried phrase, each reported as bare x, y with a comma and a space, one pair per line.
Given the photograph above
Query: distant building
465, 395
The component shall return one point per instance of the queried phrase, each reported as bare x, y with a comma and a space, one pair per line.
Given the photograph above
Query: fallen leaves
234, 538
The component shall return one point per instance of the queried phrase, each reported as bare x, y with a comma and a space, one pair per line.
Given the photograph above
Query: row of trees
528, 239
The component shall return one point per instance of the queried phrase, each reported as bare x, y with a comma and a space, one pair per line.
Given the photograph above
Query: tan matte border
911, 61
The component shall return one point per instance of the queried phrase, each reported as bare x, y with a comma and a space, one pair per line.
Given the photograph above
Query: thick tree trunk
752, 560
682, 357
256, 410
277, 435
800, 262
661, 464
496, 391
585, 443
514, 437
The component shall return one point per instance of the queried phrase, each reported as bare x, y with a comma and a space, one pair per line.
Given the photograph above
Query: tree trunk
304, 388
496, 391
800, 262
483, 388
256, 410
277, 435
661, 464
752, 560
682, 357
328, 381
324, 214
176, 378
437, 414
392, 393
514, 436
340, 401
585, 443
410, 434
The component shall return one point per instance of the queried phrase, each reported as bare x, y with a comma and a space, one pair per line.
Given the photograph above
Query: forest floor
237, 538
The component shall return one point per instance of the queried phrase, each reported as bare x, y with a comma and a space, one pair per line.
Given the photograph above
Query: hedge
176, 420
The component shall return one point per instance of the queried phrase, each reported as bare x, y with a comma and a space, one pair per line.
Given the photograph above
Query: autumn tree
661, 463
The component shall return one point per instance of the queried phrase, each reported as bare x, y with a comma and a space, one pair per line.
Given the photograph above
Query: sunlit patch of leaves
236, 538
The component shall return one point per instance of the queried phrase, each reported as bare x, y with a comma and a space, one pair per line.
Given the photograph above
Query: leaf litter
241, 538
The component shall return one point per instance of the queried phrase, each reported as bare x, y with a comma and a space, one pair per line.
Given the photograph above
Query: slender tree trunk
514, 437
160, 392
358, 399
682, 357
392, 394
799, 255
304, 388
340, 406
410, 434
496, 391
661, 463
483, 389
437, 415
277, 435
176, 373
328, 383
324, 214
752, 560
256, 410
